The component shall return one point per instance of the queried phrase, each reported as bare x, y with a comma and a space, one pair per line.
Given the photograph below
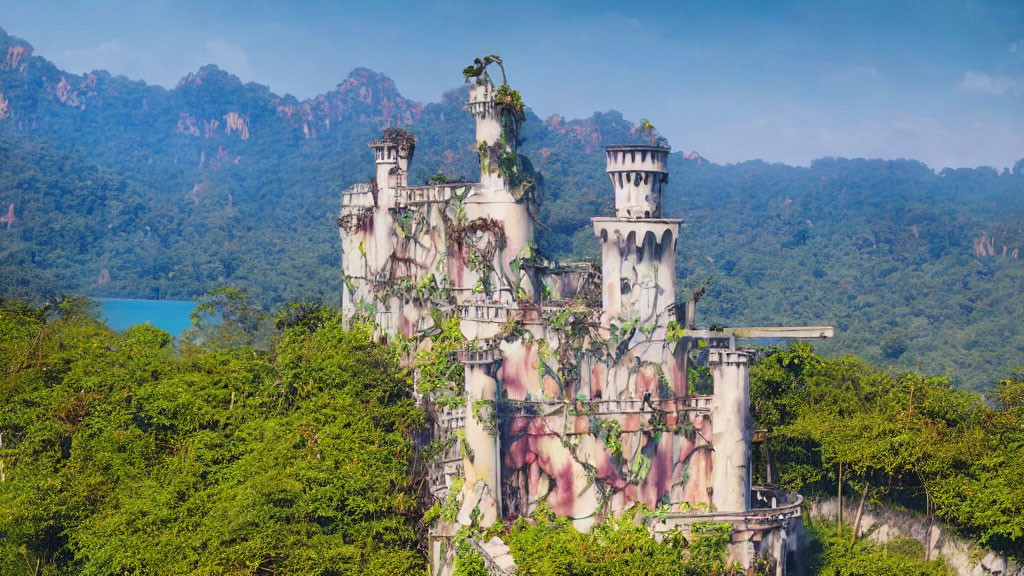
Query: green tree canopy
121, 456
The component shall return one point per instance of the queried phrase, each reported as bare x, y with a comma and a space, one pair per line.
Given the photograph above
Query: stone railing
767, 497
451, 418
433, 193
486, 356
497, 313
694, 402
764, 518
701, 403
618, 406
359, 194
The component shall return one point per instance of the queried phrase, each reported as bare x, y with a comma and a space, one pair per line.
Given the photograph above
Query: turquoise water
170, 315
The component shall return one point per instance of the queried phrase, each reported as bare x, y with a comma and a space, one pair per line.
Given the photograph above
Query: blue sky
939, 81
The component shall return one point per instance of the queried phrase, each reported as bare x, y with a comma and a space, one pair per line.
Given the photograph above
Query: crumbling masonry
586, 391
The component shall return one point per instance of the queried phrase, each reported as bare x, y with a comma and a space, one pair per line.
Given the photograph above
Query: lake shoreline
172, 316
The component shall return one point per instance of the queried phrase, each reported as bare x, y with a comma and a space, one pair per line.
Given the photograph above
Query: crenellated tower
393, 154
638, 245
638, 174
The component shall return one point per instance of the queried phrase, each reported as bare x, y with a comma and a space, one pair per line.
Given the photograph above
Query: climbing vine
484, 412
404, 140
439, 374
570, 339
448, 511
503, 156
479, 241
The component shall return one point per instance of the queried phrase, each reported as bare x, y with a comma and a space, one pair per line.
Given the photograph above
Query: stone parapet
637, 158
638, 174
478, 357
359, 194
412, 195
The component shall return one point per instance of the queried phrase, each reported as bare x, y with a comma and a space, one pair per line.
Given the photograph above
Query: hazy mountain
121, 188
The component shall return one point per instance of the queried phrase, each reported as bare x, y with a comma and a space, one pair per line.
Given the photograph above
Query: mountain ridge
314, 114
121, 188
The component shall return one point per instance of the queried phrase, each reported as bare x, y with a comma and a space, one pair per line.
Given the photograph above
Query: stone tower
732, 423
637, 245
392, 157
499, 196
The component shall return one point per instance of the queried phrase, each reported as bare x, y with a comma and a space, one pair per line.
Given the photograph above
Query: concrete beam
766, 332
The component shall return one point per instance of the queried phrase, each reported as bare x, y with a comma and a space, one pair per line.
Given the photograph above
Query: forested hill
121, 188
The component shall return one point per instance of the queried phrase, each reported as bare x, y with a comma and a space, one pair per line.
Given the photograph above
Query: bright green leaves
909, 439
439, 374
120, 456
552, 547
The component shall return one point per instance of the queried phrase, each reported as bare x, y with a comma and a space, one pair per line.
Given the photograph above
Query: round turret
393, 154
482, 107
638, 173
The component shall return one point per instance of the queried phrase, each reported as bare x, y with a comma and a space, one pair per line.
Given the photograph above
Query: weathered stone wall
576, 392
883, 525
621, 430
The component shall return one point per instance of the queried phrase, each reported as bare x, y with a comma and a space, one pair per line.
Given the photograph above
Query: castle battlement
431, 193
638, 173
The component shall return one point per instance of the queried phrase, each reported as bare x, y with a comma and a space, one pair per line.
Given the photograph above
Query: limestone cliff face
592, 134
377, 92
16, 55
234, 122
9, 218
202, 96
883, 525
585, 132
212, 105
365, 96
208, 104
189, 124
986, 245
17, 60
68, 95
191, 79
76, 92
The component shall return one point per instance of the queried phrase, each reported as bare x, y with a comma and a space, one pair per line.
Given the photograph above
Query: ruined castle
583, 389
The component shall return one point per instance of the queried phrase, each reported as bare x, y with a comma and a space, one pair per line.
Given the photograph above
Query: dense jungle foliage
896, 438
121, 455
125, 189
